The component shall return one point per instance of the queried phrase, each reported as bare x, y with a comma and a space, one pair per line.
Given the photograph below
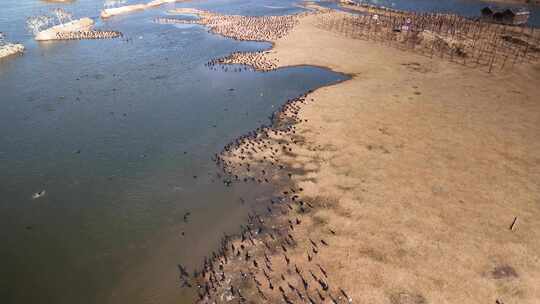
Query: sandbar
10, 49
83, 24
110, 12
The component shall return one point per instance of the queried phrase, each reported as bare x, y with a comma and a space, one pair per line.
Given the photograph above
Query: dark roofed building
511, 16
487, 12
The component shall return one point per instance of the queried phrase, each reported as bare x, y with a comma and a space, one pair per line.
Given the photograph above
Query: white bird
38, 194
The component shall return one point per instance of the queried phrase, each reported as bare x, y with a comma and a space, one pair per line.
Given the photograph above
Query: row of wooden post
477, 43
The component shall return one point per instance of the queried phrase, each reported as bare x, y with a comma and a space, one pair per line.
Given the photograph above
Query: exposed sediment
110, 12
83, 24
10, 49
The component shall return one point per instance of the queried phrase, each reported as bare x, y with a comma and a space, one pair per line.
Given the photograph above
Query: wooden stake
514, 223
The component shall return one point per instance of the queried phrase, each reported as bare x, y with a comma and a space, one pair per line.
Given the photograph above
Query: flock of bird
252, 28
238, 159
79, 35
269, 261
258, 60
260, 265
259, 28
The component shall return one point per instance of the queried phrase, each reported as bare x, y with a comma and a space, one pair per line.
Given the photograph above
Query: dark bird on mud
286, 259
344, 294
323, 284
305, 283
309, 258
186, 216
183, 272
324, 242
257, 281
292, 288
267, 258
242, 298
185, 283
313, 243
261, 293
332, 231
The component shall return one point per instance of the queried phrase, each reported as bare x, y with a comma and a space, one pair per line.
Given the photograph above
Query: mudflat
416, 181
423, 165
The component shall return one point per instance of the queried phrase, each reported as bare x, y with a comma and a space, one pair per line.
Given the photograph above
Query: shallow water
120, 135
